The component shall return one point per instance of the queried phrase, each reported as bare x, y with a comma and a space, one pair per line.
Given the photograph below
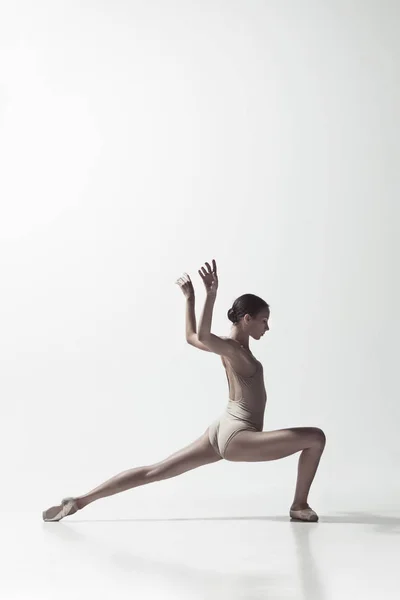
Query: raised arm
191, 334
218, 345
186, 286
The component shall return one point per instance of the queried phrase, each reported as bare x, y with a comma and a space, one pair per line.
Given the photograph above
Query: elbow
202, 337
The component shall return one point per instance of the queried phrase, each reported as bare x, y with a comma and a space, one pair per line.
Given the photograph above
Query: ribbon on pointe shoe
56, 513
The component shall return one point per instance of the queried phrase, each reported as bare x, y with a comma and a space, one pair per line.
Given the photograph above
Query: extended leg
195, 455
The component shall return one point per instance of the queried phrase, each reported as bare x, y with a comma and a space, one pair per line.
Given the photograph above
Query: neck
240, 337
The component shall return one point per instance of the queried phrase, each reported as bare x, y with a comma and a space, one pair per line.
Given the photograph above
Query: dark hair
248, 304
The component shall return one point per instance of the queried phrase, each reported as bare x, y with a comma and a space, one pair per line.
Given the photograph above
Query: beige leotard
245, 410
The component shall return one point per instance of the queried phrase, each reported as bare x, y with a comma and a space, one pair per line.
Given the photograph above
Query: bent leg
252, 446
195, 455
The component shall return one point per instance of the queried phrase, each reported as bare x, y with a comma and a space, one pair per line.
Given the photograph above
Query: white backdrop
140, 139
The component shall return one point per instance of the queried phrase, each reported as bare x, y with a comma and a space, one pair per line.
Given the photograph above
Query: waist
252, 413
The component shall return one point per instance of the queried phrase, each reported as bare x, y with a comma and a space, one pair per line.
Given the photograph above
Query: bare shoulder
240, 360
223, 346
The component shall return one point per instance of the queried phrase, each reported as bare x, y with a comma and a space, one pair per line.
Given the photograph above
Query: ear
247, 319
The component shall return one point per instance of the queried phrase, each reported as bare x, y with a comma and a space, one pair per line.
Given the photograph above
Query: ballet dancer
238, 434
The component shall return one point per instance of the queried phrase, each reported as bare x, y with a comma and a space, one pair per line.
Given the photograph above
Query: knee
153, 473
319, 436
161, 471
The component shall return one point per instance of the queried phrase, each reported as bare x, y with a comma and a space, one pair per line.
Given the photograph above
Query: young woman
238, 434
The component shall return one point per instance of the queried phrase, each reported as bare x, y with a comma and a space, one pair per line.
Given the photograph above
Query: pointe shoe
56, 513
306, 514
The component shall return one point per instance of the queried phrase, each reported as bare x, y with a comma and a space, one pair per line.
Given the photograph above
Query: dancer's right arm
223, 347
216, 344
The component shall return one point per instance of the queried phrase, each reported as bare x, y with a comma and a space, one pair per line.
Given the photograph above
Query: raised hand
210, 277
186, 285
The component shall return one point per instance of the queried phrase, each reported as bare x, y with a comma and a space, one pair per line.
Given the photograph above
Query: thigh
198, 453
250, 446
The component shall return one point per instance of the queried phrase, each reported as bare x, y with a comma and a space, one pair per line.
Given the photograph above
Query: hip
223, 430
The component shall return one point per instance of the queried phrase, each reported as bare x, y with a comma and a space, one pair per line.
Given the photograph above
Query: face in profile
259, 324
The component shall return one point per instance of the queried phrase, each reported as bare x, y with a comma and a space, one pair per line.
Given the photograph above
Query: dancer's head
250, 314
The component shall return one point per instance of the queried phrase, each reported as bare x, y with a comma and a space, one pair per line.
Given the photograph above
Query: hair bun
232, 315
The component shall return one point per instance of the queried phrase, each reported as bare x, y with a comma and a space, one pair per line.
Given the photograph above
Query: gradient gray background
140, 139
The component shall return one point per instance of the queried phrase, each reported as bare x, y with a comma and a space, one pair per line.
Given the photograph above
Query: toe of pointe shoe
56, 513
306, 514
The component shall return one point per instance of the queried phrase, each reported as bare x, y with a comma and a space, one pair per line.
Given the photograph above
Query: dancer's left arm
191, 333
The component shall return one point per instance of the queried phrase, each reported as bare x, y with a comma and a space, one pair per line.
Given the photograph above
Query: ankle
299, 506
80, 503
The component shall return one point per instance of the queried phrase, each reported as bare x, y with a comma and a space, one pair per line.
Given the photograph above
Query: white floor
236, 556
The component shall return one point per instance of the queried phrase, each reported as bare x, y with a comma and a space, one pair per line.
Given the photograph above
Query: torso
247, 398
245, 365
246, 385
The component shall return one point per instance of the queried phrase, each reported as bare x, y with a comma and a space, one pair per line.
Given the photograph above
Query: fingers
203, 272
184, 281
214, 267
